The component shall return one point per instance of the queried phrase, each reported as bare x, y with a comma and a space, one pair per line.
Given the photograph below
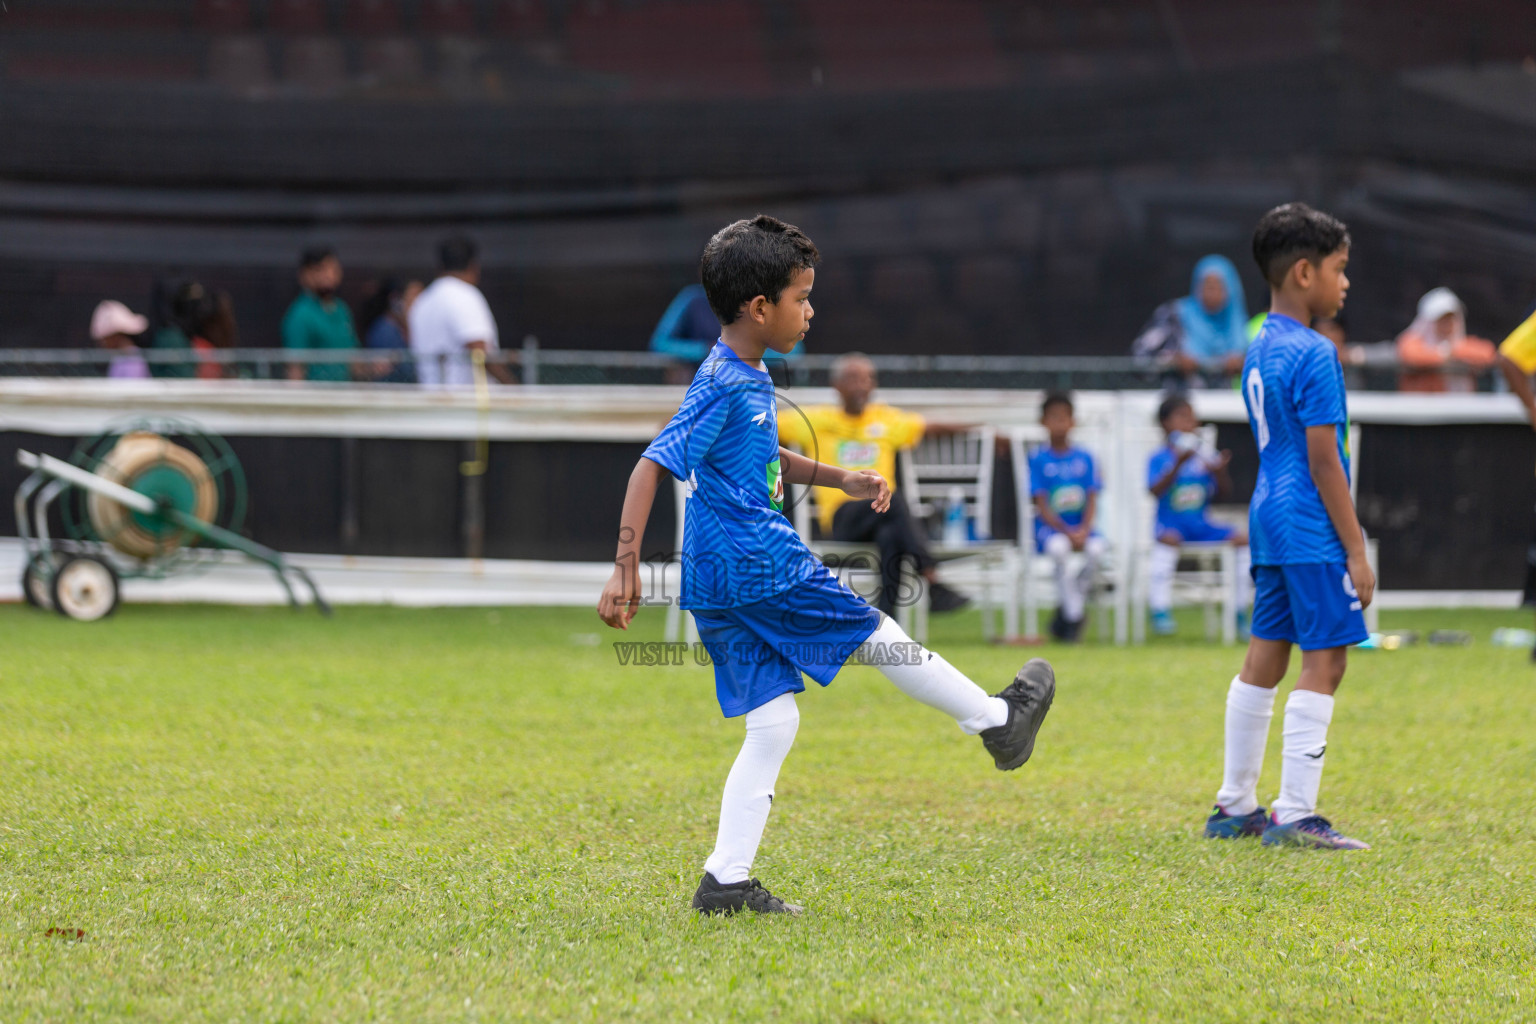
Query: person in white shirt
451, 319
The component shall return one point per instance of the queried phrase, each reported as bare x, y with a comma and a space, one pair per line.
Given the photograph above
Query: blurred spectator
213, 319
384, 319
1336, 329
1435, 341
451, 319
861, 434
171, 307
689, 329
113, 327
1199, 339
317, 319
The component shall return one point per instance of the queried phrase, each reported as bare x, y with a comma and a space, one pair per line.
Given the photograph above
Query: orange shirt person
1437, 337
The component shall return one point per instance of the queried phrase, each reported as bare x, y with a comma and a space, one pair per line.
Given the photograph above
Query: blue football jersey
738, 548
1066, 479
1292, 380
1186, 498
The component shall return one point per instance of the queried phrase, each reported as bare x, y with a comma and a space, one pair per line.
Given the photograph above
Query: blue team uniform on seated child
1066, 479
1292, 380
1182, 508
766, 608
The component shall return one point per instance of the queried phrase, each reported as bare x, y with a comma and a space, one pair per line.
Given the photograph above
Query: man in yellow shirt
1517, 358
860, 434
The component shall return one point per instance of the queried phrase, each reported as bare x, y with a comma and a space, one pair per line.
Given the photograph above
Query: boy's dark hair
1054, 398
1171, 405
314, 255
1294, 232
456, 253
751, 258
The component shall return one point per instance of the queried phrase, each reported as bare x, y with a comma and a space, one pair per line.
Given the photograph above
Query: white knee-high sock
749, 788
1249, 710
1162, 562
1244, 577
1307, 714
929, 679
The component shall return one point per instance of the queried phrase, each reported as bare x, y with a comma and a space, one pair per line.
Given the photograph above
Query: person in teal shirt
317, 318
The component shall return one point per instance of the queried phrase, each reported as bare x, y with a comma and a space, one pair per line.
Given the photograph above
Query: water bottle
1522, 638
954, 518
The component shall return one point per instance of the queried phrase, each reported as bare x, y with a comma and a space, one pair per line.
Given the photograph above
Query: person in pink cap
114, 326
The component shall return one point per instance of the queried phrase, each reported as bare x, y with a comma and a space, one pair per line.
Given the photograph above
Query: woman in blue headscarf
1202, 335
1214, 318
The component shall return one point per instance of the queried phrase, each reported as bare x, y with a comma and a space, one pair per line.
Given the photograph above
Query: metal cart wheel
85, 589
35, 586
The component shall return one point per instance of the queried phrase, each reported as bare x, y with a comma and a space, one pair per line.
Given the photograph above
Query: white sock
1059, 550
931, 680
1249, 709
1163, 561
1244, 578
749, 788
1093, 554
1307, 715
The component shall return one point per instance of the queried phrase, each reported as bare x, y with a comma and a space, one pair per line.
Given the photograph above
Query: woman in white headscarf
1437, 337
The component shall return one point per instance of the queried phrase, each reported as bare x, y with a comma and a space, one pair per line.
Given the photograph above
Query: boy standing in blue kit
1310, 573
766, 608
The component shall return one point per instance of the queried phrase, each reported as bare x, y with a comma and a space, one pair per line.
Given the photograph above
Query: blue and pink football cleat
1221, 825
1315, 832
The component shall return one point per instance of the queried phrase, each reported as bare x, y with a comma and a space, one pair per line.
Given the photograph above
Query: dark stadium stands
1003, 176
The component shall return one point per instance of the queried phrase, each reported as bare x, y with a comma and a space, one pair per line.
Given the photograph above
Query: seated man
864, 435
1064, 483
1184, 478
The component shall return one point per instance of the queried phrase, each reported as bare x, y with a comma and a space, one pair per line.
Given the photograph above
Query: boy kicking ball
1310, 572
766, 608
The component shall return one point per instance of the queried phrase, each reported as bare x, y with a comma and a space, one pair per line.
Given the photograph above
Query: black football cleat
714, 898
1029, 697
946, 599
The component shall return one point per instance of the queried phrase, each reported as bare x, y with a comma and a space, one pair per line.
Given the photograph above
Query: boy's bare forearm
1048, 516
638, 499
797, 469
1333, 487
1090, 510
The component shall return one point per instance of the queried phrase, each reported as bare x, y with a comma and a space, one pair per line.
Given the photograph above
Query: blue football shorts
1196, 530
759, 650
1313, 606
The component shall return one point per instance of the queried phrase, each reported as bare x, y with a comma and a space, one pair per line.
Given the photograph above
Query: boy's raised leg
1007, 723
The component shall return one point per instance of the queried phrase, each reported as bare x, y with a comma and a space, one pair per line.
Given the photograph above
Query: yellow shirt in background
868, 441
1520, 347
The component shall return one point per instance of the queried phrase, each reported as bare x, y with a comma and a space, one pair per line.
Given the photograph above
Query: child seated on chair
1184, 476
1064, 483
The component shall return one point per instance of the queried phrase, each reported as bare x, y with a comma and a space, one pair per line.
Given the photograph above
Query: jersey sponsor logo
875, 430
1069, 498
775, 486
1187, 497
761, 419
857, 454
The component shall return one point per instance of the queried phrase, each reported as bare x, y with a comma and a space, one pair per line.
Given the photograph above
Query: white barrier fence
1119, 427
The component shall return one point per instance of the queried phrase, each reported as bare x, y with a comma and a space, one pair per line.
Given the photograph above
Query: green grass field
479, 815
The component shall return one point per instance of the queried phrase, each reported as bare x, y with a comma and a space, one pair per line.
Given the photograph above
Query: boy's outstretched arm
1333, 487
621, 595
856, 483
